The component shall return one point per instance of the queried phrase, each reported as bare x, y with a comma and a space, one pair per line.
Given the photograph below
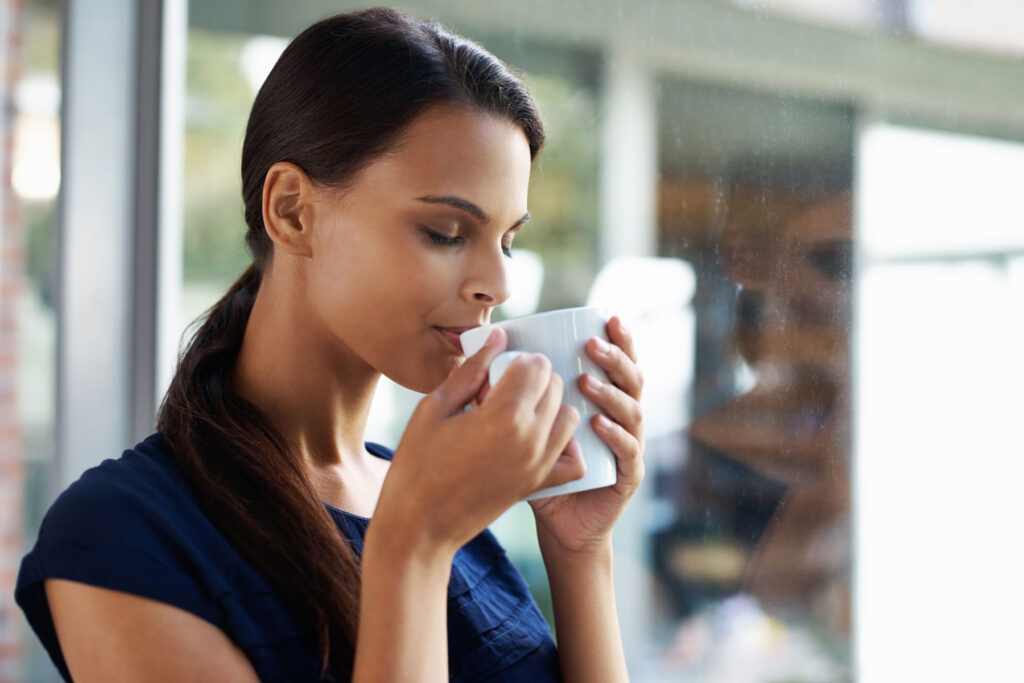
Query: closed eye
443, 240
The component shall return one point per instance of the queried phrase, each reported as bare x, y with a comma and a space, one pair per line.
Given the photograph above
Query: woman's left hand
582, 522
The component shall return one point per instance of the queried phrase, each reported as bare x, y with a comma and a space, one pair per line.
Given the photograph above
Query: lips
451, 335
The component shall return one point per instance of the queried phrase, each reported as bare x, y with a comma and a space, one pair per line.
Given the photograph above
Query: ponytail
251, 484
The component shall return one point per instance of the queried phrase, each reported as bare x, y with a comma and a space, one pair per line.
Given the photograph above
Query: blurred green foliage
40, 57
41, 52
218, 99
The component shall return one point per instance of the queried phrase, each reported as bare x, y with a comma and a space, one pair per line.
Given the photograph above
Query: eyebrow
469, 207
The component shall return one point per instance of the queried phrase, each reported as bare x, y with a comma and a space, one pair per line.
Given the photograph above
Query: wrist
398, 542
593, 553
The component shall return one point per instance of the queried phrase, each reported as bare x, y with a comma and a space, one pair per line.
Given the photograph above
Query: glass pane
752, 554
30, 61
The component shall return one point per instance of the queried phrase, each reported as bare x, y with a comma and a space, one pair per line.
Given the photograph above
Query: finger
613, 402
525, 382
482, 394
621, 337
465, 382
566, 421
569, 466
620, 368
627, 448
550, 401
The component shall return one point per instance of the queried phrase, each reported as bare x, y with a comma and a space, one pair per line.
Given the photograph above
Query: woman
385, 171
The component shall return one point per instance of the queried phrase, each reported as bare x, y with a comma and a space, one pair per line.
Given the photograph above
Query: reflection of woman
793, 423
385, 172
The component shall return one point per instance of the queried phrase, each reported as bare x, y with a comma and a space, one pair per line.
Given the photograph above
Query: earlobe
287, 191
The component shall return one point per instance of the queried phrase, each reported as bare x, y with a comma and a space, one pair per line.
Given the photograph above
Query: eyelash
446, 241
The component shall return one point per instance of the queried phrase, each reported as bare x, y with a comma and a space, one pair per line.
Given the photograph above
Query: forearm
403, 611
586, 620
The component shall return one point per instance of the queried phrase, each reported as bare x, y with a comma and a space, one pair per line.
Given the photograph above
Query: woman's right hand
455, 471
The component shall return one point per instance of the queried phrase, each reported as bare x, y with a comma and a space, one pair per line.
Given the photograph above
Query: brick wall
12, 260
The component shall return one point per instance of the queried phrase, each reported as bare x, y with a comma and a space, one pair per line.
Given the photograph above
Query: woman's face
415, 251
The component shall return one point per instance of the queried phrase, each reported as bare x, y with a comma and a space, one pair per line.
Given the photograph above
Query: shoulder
130, 524
133, 525
144, 478
139, 501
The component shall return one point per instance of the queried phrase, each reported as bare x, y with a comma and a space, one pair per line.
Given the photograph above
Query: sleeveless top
133, 525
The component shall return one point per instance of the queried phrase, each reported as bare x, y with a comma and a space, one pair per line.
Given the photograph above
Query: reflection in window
755, 194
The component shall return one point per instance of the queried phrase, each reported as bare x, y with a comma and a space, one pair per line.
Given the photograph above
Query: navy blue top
133, 525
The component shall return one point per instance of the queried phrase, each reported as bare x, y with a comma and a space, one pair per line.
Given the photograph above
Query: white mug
561, 336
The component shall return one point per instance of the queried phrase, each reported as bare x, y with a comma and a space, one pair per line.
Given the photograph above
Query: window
30, 127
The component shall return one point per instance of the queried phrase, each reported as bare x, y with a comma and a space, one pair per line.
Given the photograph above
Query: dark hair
341, 94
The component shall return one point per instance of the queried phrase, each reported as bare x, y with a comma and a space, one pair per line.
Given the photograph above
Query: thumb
466, 381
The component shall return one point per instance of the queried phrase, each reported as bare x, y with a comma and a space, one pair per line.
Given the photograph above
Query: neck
316, 394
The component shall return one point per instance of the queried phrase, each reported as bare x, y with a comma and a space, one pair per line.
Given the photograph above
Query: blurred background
809, 211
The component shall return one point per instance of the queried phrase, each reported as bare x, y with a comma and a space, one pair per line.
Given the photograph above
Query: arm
111, 636
403, 609
586, 621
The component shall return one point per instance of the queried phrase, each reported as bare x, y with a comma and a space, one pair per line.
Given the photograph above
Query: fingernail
602, 346
603, 422
493, 338
593, 383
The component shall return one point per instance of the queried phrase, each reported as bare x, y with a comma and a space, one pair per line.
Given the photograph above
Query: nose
488, 282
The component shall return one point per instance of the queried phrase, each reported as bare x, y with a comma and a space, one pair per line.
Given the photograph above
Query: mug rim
478, 334
542, 314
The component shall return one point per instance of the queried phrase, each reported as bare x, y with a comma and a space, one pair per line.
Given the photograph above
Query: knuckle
572, 415
541, 362
520, 427
557, 387
636, 415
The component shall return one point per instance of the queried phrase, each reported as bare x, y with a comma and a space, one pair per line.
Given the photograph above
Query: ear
287, 196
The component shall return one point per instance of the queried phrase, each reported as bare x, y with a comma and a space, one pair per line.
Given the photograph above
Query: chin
426, 381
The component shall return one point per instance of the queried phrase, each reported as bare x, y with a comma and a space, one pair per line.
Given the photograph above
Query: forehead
461, 152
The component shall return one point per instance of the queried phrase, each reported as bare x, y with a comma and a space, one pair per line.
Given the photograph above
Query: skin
357, 289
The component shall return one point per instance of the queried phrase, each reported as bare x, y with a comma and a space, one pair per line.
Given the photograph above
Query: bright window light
938, 439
